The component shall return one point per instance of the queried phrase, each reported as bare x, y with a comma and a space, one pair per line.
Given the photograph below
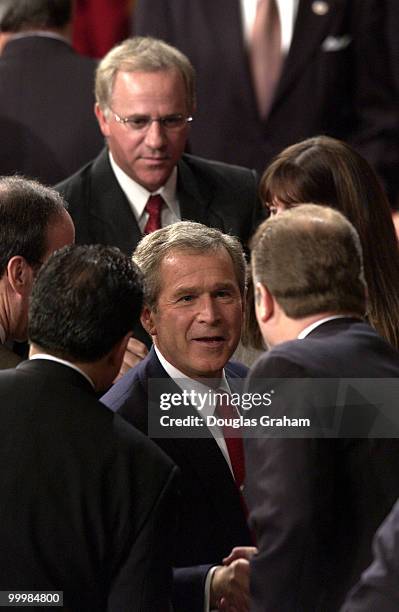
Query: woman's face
276, 207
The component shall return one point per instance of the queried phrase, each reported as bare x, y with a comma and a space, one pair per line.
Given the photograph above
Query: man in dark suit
145, 103
378, 588
46, 120
33, 224
194, 278
334, 79
315, 503
88, 503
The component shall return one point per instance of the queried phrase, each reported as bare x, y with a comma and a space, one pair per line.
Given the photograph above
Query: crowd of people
162, 212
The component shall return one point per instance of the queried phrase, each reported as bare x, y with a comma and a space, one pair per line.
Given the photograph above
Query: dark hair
85, 299
327, 171
17, 15
27, 208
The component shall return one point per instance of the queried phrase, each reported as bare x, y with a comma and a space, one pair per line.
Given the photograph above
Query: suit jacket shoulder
70, 463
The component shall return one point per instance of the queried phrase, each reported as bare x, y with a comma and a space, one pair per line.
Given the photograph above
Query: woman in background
323, 170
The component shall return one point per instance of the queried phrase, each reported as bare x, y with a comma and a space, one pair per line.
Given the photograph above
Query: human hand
240, 552
135, 352
230, 587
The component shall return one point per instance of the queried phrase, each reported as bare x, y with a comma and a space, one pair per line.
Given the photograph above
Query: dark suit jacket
316, 503
212, 520
335, 80
378, 588
47, 122
88, 505
217, 195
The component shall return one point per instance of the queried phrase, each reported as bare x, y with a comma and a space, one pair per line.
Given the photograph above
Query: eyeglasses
139, 123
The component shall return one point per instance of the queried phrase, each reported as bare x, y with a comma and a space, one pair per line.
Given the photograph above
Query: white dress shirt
288, 11
137, 196
305, 332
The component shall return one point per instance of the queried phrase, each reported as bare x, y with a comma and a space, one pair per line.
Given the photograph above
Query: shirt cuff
207, 596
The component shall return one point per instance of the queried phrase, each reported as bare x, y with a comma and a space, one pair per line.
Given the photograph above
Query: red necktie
154, 208
265, 53
232, 437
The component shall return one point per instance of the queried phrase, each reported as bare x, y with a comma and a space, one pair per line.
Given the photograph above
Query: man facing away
194, 280
88, 503
46, 118
315, 503
33, 224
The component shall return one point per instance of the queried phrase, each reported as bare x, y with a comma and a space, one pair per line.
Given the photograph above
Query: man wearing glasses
145, 102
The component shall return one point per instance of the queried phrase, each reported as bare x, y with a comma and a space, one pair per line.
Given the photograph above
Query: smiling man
145, 102
194, 285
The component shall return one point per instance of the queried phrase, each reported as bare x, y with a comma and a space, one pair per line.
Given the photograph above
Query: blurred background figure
273, 72
46, 92
98, 25
326, 171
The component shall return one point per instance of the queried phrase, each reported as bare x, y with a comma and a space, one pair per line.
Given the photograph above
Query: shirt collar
138, 195
186, 383
63, 362
41, 34
305, 332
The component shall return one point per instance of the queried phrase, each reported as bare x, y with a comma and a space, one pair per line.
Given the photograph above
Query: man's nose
208, 310
155, 136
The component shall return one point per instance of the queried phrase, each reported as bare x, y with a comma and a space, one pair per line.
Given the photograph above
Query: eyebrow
217, 287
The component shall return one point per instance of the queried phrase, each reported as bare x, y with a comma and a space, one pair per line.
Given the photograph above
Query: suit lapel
193, 204
309, 32
109, 209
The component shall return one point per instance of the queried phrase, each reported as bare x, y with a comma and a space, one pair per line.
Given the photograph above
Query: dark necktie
265, 54
232, 437
154, 208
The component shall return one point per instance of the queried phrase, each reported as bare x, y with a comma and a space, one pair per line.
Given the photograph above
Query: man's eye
223, 293
186, 298
138, 122
172, 121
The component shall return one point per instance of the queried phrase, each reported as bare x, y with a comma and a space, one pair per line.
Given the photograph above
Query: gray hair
183, 236
142, 54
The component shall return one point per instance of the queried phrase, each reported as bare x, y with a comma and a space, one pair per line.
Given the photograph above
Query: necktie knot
153, 208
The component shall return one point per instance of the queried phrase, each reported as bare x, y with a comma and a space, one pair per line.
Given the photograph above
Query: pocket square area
336, 43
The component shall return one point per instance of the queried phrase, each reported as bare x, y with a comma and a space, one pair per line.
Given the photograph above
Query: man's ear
116, 354
102, 119
20, 275
147, 321
264, 302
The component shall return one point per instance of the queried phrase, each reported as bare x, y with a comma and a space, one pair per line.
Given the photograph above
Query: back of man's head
84, 301
24, 15
27, 208
310, 259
